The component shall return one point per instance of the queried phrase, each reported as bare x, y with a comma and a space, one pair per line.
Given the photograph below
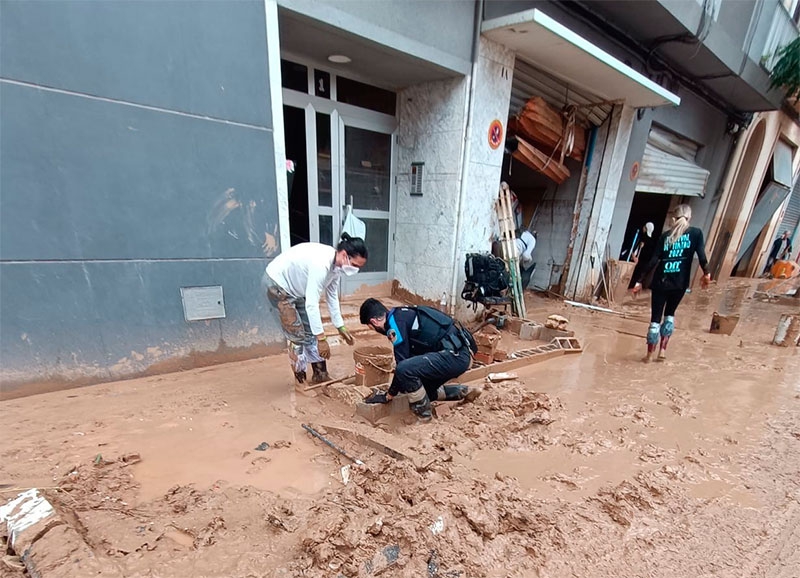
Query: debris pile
423, 524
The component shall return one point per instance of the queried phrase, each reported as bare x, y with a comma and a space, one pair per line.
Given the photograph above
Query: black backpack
440, 325
487, 280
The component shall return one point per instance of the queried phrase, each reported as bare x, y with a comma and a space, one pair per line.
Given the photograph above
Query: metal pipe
329, 443
466, 151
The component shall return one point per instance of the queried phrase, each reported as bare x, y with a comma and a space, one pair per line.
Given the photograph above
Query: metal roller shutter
530, 81
668, 166
791, 218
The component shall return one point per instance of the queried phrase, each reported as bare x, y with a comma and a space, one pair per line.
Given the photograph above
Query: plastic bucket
373, 365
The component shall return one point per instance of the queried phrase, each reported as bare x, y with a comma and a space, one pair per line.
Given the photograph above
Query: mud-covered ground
587, 465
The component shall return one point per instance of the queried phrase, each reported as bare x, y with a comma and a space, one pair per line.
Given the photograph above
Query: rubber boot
300, 377
662, 351
420, 404
320, 372
652, 341
459, 392
666, 332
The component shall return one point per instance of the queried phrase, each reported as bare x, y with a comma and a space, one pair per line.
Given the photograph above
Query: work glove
377, 397
323, 347
346, 335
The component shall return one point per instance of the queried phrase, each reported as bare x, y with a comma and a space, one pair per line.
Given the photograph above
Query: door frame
343, 115
387, 129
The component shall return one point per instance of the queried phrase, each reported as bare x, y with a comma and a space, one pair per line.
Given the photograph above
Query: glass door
365, 175
349, 155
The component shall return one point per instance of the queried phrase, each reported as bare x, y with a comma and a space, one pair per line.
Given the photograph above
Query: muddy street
585, 465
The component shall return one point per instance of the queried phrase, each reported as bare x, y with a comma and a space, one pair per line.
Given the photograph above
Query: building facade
144, 182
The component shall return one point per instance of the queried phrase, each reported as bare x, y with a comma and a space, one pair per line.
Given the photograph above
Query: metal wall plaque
202, 303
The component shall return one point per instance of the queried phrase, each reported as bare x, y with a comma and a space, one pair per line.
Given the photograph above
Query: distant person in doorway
641, 251
641, 239
781, 249
295, 282
526, 243
671, 264
645, 242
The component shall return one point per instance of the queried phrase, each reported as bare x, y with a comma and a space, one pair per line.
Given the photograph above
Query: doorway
294, 120
646, 208
344, 158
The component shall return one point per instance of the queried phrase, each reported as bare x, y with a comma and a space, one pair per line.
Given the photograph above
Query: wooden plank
480, 373
619, 277
541, 162
544, 124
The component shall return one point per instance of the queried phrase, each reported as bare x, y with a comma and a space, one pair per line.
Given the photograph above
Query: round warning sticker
635, 171
495, 134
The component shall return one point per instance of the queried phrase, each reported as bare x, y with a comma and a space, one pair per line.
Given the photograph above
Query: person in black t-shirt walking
672, 262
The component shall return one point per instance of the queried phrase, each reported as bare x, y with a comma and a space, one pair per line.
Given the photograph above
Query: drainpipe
466, 151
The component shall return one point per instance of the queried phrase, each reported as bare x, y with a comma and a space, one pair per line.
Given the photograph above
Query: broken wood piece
541, 162
344, 380
368, 442
498, 377
788, 331
543, 124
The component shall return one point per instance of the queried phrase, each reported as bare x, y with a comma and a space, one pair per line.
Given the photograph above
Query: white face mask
349, 269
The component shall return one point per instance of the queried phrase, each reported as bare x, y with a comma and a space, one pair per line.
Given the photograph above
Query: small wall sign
635, 171
495, 134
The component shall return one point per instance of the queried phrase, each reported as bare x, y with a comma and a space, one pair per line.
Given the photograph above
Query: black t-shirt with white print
673, 263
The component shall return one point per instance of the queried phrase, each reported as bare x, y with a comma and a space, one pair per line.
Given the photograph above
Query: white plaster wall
431, 130
491, 101
553, 226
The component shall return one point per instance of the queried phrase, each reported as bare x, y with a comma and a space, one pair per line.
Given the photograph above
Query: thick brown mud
586, 465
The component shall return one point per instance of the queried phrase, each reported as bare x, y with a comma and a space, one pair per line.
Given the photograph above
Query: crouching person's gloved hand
378, 397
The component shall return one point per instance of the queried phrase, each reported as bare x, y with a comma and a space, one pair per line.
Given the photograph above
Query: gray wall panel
88, 179
206, 57
109, 320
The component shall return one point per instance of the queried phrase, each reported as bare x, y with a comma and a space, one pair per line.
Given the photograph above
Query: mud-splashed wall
430, 130
137, 158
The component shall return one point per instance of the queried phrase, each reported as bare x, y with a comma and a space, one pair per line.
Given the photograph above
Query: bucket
373, 365
723, 324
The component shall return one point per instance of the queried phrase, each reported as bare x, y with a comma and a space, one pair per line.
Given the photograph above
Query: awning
555, 48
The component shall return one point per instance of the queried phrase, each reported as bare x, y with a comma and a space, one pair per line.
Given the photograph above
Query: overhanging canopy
555, 48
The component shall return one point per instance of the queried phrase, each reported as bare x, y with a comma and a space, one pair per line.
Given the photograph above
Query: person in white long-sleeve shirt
526, 243
294, 282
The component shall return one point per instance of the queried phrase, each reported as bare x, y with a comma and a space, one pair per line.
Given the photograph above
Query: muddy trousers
290, 313
422, 377
663, 307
